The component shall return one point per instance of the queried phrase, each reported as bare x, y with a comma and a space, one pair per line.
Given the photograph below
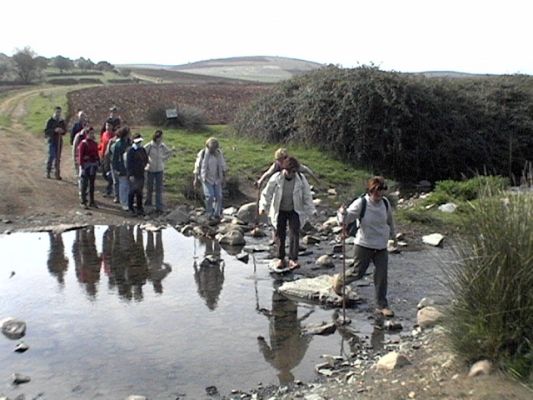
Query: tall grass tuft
491, 316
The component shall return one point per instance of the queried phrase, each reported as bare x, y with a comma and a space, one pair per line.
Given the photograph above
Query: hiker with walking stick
54, 131
376, 226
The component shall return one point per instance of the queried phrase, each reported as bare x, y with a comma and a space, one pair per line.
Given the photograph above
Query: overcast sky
403, 35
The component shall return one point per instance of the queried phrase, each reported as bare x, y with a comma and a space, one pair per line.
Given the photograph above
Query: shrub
63, 81
89, 80
469, 189
492, 285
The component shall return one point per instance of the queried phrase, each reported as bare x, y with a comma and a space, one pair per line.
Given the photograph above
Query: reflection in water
57, 262
209, 276
157, 268
287, 344
86, 260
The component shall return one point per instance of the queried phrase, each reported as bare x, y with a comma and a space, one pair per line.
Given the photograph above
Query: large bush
491, 315
401, 125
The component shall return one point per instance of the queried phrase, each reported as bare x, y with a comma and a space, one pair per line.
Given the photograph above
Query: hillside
259, 68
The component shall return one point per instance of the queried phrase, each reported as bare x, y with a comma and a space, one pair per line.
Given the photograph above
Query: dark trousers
136, 193
88, 176
294, 233
54, 155
362, 258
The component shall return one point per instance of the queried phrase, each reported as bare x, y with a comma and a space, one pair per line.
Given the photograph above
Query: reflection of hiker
157, 153
209, 277
86, 260
112, 119
210, 169
288, 198
135, 165
287, 344
280, 155
89, 162
157, 268
54, 132
137, 264
106, 137
376, 227
57, 262
118, 150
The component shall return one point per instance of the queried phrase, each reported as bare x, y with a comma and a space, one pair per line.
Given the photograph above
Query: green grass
41, 106
247, 159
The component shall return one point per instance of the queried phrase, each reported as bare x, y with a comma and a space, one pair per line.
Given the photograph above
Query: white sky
490, 36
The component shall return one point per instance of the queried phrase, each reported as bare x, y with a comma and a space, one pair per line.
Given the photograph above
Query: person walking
106, 168
210, 169
118, 150
89, 162
280, 155
376, 227
158, 153
135, 164
54, 131
288, 198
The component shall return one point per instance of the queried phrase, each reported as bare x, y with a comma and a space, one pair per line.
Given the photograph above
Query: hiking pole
343, 271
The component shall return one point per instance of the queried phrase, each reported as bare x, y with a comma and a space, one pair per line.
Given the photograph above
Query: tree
3, 70
84, 64
27, 65
63, 63
104, 66
125, 71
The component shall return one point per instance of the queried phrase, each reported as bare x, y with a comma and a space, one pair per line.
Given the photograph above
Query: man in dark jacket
54, 132
135, 163
113, 119
119, 150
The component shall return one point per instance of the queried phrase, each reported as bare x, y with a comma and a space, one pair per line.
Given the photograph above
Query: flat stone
313, 396
273, 267
233, 238
230, 211
391, 361
318, 289
149, 227
309, 239
21, 347
257, 248
257, 233
483, 367
392, 325
13, 328
428, 317
435, 239
323, 329
178, 216
19, 379
330, 222
325, 261
332, 192
425, 302
448, 208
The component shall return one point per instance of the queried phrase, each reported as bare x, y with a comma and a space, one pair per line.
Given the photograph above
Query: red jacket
104, 140
88, 152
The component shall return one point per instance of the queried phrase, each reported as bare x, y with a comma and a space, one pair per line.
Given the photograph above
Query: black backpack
352, 228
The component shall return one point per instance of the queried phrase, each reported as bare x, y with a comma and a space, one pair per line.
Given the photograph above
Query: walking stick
343, 273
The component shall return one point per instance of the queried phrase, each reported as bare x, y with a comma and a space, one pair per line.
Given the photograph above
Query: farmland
219, 102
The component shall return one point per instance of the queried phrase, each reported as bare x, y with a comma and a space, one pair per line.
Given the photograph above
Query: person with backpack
118, 163
89, 161
210, 169
288, 198
54, 131
136, 161
158, 153
373, 214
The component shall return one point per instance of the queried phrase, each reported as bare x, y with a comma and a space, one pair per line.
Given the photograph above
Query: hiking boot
116, 200
385, 311
48, 175
93, 204
59, 178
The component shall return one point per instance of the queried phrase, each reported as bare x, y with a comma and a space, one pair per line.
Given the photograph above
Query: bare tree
27, 65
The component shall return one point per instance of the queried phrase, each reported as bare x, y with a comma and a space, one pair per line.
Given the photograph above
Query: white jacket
157, 155
302, 198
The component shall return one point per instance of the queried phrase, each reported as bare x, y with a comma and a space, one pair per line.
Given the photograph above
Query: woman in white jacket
158, 153
288, 198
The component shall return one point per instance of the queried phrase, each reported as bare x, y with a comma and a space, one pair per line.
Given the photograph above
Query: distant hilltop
258, 68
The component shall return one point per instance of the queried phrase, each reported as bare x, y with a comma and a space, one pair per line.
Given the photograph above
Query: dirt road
27, 197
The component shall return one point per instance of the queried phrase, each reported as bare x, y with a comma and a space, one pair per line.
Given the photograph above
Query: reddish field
219, 102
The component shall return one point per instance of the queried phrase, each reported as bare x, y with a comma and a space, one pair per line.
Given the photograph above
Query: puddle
113, 311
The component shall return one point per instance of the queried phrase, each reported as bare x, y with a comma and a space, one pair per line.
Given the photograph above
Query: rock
400, 236
309, 239
330, 222
211, 390
187, 230
424, 184
233, 238
148, 227
435, 239
244, 257
411, 395
135, 397
12, 328
313, 396
230, 211
19, 379
425, 302
428, 317
247, 212
391, 361
237, 221
337, 248
332, 192
318, 289
392, 325
483, 367
257, 233
257, 248
391, 248
179, 216
323, 329
21, 347
273, 267
448, 208
317, 202
336, 230
325, 261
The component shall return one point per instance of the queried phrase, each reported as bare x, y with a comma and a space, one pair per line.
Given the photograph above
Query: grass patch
492, 285
5, 121
41, 106
248, 158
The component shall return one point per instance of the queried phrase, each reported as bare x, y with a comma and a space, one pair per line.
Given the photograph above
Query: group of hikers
119, 155
286, 197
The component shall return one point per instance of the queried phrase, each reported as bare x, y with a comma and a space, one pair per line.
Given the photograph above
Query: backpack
352, 228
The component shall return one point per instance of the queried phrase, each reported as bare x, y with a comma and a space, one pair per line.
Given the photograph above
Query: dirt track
27, 197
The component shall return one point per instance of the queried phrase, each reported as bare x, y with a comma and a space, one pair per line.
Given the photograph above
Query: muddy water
113, 311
